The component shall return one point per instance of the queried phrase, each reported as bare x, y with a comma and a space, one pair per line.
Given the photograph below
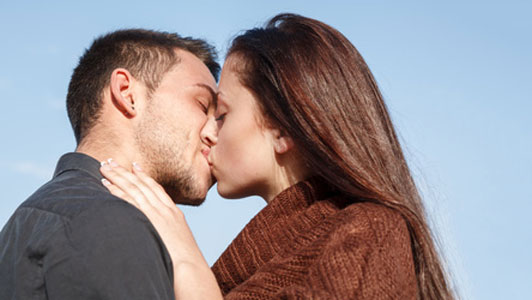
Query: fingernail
112, 162
105, 181
136, 166
105, 165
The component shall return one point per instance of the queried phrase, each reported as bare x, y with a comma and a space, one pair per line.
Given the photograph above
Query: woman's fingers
119, 192
149, 196
153, 185
128, 183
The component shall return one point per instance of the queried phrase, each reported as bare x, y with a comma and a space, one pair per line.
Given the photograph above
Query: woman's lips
213, 169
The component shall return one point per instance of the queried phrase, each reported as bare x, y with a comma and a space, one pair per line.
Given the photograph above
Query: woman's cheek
226, 150
231, 166
233, 150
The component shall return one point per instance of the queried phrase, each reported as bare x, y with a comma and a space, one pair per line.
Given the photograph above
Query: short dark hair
146, 54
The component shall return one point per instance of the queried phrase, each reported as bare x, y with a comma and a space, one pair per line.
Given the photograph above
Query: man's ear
282, 142
122, 95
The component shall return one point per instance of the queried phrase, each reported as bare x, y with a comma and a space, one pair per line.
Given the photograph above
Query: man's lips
206, 152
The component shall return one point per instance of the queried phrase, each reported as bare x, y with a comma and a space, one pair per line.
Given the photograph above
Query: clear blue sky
457, 77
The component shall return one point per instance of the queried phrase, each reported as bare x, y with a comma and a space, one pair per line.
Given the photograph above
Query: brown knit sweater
309, 243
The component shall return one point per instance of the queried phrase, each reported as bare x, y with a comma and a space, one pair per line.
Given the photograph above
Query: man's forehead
206, 87
193, 67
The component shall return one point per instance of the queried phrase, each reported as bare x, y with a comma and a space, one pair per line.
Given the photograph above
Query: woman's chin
224, 192
228, 192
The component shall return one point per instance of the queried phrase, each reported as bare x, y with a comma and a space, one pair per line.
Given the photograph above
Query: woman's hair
312, 83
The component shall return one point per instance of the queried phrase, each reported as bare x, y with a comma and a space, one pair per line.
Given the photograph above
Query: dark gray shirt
72, 239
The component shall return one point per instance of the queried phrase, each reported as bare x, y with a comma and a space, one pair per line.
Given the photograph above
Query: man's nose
209, 133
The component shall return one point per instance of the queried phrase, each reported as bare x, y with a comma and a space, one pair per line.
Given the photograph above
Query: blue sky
457, 78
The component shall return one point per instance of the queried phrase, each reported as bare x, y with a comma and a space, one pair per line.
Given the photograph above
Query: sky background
456, 76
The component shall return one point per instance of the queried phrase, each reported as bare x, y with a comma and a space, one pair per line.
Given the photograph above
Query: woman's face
243, 156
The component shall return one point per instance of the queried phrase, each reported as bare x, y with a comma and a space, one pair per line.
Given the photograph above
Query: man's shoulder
66, 207
77, 202
81, 236
68, 195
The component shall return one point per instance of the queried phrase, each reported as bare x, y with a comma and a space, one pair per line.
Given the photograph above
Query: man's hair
146, 54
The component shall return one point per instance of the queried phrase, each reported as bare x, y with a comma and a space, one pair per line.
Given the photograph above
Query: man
136, 96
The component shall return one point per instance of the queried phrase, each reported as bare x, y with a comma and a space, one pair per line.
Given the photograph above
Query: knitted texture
309, 243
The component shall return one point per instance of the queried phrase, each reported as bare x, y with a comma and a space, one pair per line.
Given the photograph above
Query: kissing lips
206, 152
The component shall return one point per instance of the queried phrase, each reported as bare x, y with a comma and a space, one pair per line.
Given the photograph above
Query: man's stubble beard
165, 155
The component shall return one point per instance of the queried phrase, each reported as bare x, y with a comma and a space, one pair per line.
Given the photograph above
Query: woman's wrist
195, 280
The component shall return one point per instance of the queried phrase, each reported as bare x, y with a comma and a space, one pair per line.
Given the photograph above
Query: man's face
168, 132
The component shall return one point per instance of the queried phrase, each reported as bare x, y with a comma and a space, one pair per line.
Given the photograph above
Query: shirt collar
78, 161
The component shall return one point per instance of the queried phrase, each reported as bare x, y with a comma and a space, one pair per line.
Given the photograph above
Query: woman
302, 124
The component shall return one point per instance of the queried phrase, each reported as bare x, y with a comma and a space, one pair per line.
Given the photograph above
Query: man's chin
189, 201
186, 195
196, 200
192, 199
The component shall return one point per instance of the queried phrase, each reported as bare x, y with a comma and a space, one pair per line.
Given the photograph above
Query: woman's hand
193, 278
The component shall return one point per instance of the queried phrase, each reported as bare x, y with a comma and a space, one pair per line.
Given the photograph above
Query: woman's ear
282, 143
122, 95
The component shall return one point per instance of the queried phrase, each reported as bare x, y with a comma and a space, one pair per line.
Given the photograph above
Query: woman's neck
284, 176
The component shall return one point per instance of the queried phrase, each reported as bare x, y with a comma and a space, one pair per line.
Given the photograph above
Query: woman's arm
193, 279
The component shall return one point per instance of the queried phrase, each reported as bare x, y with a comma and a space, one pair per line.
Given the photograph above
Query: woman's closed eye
221, 117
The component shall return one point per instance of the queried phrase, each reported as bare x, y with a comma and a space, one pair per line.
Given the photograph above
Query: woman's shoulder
373, 213
370, 223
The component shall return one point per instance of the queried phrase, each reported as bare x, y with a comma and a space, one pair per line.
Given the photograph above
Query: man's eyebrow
214, 95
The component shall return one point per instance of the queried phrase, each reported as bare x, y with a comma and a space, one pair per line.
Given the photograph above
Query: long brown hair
311, 82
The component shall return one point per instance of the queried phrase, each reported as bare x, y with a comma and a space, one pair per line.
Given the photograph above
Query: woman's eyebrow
220, 99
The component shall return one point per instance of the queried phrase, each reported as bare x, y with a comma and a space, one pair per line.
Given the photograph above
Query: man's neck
105, 150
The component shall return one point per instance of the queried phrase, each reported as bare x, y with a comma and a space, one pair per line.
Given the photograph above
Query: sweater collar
294, 210
295, 199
